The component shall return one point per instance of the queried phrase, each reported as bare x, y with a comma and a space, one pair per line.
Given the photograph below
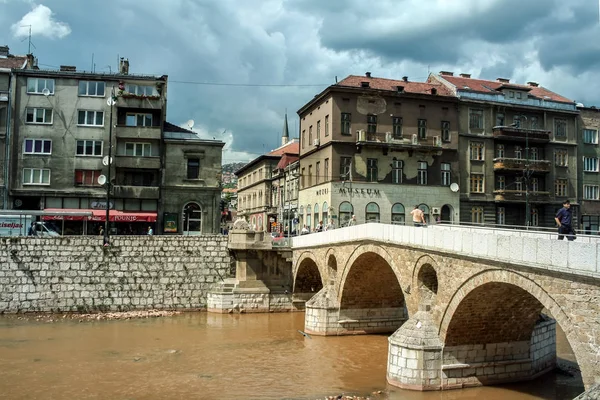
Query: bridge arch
308, 275
331, 260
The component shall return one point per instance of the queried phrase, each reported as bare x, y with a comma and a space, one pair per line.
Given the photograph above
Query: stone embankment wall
136, 272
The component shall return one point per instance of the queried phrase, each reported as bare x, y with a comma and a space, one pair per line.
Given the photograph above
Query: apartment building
589, 174
518, 150
375, 147
65, 124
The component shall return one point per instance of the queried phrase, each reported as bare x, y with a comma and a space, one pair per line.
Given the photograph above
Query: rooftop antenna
29, 39
93, 65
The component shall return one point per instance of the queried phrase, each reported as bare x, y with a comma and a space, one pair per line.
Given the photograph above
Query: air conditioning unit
435, 210
362, 136
415, 139
316, 142
437, 141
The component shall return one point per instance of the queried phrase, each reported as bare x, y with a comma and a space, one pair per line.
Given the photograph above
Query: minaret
285, 136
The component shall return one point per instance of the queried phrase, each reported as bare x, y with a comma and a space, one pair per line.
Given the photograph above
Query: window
37, 146
303, 138
517, 121
345, 168
308, 217
318, 129
36, 176
499, 119
518, 152
326, 170
397, 170
371, 170
193, 168
500, 182
324, 212
141, 90
519, 185
318, 171
138, 149
138, 120
422, 173
89, 148
316, 214
511, 94
535, 185
37, 85
590, 136
192, 219
91, 88
38, 115
346, 117
477, 151
500, 151
372, 212
422, 128
310, 175
476, 183
590, 164
327, 125
534, 123
476, 119
560, 127
398, 216
138, 178
591, 192
477, 215
90, 118
310, 135
371, 123
535, 217
560, 158
445, 168
446, 131
302, 175
397, 127
535, 154
501, 216
560, 187
85, 177
518, 95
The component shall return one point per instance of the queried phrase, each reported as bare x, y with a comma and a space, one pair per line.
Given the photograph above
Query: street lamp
111, 102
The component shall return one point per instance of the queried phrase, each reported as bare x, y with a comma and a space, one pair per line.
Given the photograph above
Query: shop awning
100, 215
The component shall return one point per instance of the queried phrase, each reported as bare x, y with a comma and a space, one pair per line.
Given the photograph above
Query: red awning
100, 215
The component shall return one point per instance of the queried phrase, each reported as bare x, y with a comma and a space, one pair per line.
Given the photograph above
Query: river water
214, 356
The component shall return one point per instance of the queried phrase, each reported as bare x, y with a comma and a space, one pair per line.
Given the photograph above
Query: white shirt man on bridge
418, 217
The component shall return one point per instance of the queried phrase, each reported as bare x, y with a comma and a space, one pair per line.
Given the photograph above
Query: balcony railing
391, 140
521, 134
133, 101
138, 132
520, 195
137, 162
136, 192
518, 164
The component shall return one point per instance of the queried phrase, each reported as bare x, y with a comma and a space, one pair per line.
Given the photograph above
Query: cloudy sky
235, 66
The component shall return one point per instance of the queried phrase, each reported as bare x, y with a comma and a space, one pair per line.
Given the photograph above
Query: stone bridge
466, 306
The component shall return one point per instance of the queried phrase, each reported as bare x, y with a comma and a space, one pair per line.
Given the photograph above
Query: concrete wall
79, 274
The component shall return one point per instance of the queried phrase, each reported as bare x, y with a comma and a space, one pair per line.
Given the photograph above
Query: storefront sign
359, 192
170, 222
101, 205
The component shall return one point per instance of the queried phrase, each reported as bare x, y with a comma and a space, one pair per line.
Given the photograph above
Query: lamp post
111, 103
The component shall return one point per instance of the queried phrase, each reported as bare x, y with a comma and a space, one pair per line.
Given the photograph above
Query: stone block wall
78, 274
370, 320
249, 302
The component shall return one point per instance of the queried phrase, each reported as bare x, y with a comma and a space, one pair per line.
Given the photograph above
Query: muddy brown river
212, 356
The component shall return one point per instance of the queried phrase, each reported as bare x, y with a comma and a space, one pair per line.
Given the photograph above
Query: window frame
560, 123
397, 127
345, 168
327, 125
371, 123
87, 89
477, 149
397, 171
31, 175
594, 190
188, 169
476, 181
561, 183
422, 173
594, 136
561, 155
372, 170
136, 115
85, 118
33, 146
476, 119
94, 147
422, 128
446, 136
128, 86
143, 145
35, 111
37, 90
94, 177
346, 124
477, 215
500, 151
590, 162
445, 174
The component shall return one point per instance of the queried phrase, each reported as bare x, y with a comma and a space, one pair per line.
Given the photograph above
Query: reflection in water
214, 356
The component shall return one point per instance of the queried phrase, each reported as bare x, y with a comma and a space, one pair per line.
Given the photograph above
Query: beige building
374, 148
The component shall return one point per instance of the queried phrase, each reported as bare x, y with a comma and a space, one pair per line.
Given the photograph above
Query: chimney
503, 80
447, 73
405, 78
533, 84
465, 75
124, 66
31, 62
68, 68
368, 74
3, 51
364, 84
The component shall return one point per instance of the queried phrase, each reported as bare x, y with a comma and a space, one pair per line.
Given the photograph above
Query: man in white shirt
418, 217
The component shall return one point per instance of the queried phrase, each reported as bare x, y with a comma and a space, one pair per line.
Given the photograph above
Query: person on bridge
418, 217
564, 219
352, 221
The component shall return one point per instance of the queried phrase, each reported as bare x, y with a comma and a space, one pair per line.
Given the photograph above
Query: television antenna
29, 39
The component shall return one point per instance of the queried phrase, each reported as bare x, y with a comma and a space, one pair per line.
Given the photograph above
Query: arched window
398, 214
372, 212
425, 209
192, 219
316, 215
308, 217
345, 213
325, 213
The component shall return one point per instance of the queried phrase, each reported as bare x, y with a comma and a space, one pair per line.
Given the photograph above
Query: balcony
137, 162
519, 165
136, 192
138, 132
519, 134
140, 102
387, 140
518, 196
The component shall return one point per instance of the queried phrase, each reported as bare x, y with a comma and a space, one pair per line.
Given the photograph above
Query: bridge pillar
322, 313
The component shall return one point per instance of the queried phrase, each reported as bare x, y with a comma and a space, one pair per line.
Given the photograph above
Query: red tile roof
11, 61
392, 85
484, 86
292, 147
286, 160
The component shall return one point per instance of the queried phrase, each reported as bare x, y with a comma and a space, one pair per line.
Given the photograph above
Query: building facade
589, 178
374, 148
518, 146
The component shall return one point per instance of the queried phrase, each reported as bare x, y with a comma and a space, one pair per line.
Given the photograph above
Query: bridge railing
528, 248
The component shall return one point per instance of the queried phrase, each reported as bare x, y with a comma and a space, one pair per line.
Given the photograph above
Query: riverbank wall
79, 274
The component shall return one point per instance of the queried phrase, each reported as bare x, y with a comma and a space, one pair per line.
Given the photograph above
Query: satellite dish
101, 180
105, 161
454, 187
190, 124
110, 101
46, 92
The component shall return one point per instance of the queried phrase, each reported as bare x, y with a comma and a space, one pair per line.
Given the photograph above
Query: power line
249, 84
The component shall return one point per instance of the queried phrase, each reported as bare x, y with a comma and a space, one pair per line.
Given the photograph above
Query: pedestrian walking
418, 217
564, 220
150, 231
352, 221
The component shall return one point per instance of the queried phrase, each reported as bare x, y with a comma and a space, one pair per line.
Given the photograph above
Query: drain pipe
7, 141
